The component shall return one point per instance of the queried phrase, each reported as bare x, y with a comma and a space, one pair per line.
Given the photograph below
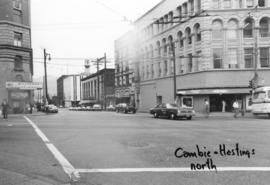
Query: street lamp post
45, 72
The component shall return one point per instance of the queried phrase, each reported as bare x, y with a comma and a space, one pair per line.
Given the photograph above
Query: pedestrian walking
206, 106
236, 108
223, 105
5, 108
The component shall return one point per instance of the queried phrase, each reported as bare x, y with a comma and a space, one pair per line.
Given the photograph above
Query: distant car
111, 108
51, 109
125, 108
172, 111
97, 107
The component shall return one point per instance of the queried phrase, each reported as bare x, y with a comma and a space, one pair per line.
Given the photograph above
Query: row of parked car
95, 107
121, 107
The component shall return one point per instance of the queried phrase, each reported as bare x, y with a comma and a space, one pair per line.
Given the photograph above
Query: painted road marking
67, 167
74, 173
137, 170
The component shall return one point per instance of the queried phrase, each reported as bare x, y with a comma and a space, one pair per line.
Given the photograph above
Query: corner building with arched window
215, 45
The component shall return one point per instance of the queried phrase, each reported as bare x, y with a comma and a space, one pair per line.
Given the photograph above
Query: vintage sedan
172, 111
51, 109
125, 108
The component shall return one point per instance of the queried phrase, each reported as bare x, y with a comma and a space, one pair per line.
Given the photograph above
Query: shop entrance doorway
216, 102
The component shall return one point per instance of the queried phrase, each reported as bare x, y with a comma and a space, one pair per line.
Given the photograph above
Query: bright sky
79, 29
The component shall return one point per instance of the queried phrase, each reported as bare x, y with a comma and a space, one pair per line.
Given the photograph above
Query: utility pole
104, 81
45, 72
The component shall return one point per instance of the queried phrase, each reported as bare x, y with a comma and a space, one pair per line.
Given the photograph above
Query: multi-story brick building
98, 88
124, 73
215, 45
15, 54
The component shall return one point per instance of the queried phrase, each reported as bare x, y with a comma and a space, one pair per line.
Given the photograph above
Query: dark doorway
216, 101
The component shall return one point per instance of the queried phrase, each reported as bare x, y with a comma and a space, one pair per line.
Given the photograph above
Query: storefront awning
214, 91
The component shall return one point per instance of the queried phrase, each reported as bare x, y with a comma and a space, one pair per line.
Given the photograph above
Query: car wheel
134, 111
172, 116
155, 115
189, 118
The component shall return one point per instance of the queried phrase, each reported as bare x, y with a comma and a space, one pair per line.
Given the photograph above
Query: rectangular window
264, 57
217, 57
17, 39
172, 67
17, 16
190, 63
185, 10
181, 66
196, 61
159, 69
17, 4
191, 2
216, 4
165, 68
250, 3
233, 58
18, 63
179, 10
227, 4
248, 55
152, 71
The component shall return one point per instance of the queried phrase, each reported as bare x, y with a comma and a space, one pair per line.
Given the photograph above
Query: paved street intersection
107, 148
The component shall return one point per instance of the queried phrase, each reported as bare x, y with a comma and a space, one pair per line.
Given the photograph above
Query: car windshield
260, 95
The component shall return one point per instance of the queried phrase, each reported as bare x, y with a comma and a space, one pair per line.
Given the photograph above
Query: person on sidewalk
206, 107
223, 105
5, 108
236, 108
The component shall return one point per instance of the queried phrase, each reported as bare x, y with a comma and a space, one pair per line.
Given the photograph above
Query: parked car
97, 107
51, 109
125, 108
172, 111
111, 108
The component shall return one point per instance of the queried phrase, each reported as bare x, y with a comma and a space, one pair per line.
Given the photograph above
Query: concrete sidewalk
225, 115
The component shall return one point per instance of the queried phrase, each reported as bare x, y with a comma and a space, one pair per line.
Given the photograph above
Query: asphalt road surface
128, 148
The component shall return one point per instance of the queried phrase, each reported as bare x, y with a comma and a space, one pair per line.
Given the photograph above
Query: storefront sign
19, 95
24, 85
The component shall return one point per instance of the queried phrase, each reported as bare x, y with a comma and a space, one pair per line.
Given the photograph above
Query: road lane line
66, 165
138, 170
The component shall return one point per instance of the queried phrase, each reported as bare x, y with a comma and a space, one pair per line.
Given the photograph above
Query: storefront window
187, 101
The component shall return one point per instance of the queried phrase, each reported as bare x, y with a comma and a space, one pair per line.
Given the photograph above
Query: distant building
69, 90
211, 46
16, 65
98, 88
124, 69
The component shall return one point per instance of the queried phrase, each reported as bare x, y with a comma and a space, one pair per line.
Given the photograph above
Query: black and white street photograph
125, 92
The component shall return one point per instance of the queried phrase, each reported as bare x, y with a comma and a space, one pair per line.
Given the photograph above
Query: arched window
248, 28
264, 27
180, 39
217, 29
197, 32
151, 52
188, 35
232, 32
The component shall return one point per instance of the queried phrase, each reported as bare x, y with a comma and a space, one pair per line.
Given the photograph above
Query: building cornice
6, 46
15, 24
